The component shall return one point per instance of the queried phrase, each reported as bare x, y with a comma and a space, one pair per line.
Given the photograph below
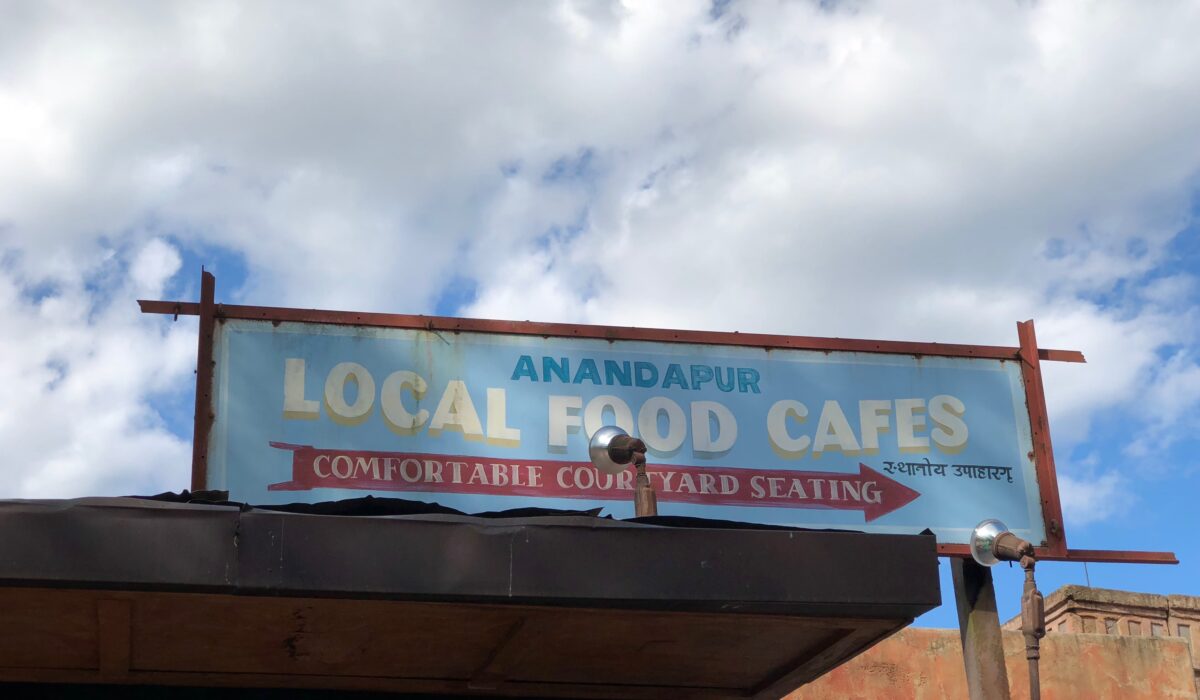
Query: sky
930, 171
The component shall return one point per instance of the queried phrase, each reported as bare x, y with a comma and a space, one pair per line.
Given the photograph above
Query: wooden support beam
979, 626
503, 656
204, 377
113, 633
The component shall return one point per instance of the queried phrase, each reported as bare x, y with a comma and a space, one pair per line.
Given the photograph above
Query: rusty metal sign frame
1027, 353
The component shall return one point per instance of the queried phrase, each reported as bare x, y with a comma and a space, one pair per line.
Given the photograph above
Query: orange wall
926, 664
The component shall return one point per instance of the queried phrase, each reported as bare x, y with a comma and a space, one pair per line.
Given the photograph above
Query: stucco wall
924, 664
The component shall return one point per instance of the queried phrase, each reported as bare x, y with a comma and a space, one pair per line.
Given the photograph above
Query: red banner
868, 490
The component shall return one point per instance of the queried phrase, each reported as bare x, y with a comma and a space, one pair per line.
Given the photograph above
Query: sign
871, 441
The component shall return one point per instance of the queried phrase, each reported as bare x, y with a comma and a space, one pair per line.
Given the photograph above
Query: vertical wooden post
979, 626
1043, 450
204, 376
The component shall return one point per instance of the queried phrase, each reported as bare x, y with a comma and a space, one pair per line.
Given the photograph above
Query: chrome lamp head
983, 541
607, 457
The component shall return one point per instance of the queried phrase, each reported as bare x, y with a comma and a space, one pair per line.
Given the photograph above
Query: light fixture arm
645, 502
992, 542
610, 450
626, 449
1033, 624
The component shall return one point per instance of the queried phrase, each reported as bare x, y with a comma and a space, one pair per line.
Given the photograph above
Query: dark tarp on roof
386, 594
411, 550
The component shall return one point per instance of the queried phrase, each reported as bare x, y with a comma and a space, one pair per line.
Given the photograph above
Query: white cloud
1092, 499
152, 266
80, 367
901, 170
1170, 403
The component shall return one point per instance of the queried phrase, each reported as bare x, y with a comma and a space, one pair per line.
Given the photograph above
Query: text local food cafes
470, 508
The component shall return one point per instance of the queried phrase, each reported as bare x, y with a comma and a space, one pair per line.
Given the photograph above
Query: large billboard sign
296, 405
488, 421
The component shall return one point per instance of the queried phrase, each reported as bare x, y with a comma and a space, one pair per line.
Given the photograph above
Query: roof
519, 603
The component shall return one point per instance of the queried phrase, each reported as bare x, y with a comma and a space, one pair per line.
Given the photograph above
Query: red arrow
895, 494
868, 490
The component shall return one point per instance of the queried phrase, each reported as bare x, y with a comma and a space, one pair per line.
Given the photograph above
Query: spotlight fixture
992, 543
612, 450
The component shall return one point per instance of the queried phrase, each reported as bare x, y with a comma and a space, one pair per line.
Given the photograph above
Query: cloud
1171, 400
80, 369
1092, 499
152, 266
909, 170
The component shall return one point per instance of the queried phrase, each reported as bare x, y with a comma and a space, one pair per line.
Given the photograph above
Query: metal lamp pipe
1009, 547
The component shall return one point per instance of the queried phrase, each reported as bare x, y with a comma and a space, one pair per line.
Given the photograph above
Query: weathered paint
1040, 522
273, 443
1052, 548
568, 330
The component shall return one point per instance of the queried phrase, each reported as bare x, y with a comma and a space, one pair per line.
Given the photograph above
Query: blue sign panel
485, 421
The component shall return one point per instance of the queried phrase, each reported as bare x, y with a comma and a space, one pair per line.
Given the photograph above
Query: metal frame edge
1027, 353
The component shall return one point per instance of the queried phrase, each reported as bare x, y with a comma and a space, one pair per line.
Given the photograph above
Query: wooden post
204, 378
979, 625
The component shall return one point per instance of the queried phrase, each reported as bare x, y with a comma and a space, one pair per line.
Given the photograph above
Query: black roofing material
541, 558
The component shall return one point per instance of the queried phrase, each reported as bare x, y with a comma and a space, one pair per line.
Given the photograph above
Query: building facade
1102, 645
927, 664
1080, 609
